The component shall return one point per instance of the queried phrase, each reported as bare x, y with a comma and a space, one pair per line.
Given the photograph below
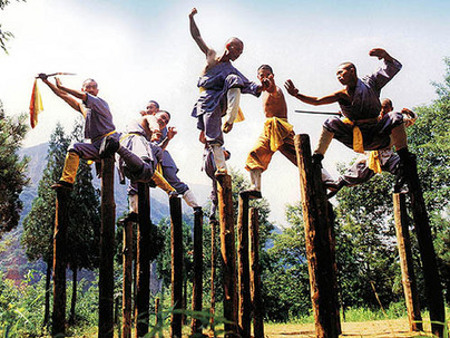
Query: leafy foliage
5, 35
12, 169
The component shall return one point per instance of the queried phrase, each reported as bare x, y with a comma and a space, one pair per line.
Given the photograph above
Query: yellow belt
357, 136
102, 136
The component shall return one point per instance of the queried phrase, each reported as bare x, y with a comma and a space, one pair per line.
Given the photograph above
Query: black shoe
62, 185
334, 187
317, 159
131, 217
109, 146
251, 194
407, 160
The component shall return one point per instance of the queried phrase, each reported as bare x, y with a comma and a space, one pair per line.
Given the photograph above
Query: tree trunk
59, 264
73, 301
107, 245
433, 287
197, 288
319, 242
228, 253
127, 278
176, 245
406, 263
244, 319
48, 277
143, 261
255, 276
213, 224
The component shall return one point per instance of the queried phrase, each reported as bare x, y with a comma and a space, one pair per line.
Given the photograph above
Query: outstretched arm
77, 93
70, 100
315, 101
195, 32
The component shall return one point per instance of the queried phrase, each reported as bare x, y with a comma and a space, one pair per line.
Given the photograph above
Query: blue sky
140, 50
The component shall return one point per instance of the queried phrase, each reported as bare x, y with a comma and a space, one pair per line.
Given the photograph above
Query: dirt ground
378, 329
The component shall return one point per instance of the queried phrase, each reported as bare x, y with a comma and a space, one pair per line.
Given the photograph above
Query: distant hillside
13, 261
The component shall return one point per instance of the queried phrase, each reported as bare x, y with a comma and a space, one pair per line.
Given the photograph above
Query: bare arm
195, 33
380, 53
315, 101
151, 127
171, 132
70, 100
77, 93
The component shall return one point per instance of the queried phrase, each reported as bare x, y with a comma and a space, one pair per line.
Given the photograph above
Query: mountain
13, 260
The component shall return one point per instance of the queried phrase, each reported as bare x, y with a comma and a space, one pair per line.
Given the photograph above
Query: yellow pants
70, 167
277, 135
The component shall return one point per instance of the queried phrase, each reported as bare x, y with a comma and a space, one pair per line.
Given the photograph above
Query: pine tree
12, 169
84, 226
38, 225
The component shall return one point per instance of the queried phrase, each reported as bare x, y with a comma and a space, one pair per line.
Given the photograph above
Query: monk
278, 134
221, 85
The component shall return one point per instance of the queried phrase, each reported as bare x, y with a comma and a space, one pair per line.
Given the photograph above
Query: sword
44, 76
318, 112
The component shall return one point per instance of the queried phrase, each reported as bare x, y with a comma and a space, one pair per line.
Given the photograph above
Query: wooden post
176, 245
127, 278
244, 300
406, 263
255, 276
60, 263
228, 253
143, 261
213, 224
319, 250
197, 288
107, 250
433, 287
157, 314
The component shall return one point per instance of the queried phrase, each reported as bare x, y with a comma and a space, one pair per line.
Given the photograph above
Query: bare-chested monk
278, 134
221, 85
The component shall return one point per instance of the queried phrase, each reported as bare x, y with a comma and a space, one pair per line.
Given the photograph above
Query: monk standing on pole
221, 86
278, 134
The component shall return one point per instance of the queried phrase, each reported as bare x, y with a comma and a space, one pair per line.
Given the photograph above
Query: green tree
38, 225
428, 139
84, 226
285, 277
12, 169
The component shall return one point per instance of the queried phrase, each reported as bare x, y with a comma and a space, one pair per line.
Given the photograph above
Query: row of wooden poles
242, 286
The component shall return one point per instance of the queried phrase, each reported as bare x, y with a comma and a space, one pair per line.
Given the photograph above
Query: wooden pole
157, 321
143, 261
228, 253
406, 263
197, 287
255, 276
319, 250
107, 250
213, 224
433, 287
127, 278
244, 300
60, 263
176, 245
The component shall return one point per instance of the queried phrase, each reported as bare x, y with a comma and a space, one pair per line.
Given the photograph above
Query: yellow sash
277, 129
357, 136
374, 162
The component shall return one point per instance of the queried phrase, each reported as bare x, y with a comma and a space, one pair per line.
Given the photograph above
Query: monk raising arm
70, 100
195, 33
